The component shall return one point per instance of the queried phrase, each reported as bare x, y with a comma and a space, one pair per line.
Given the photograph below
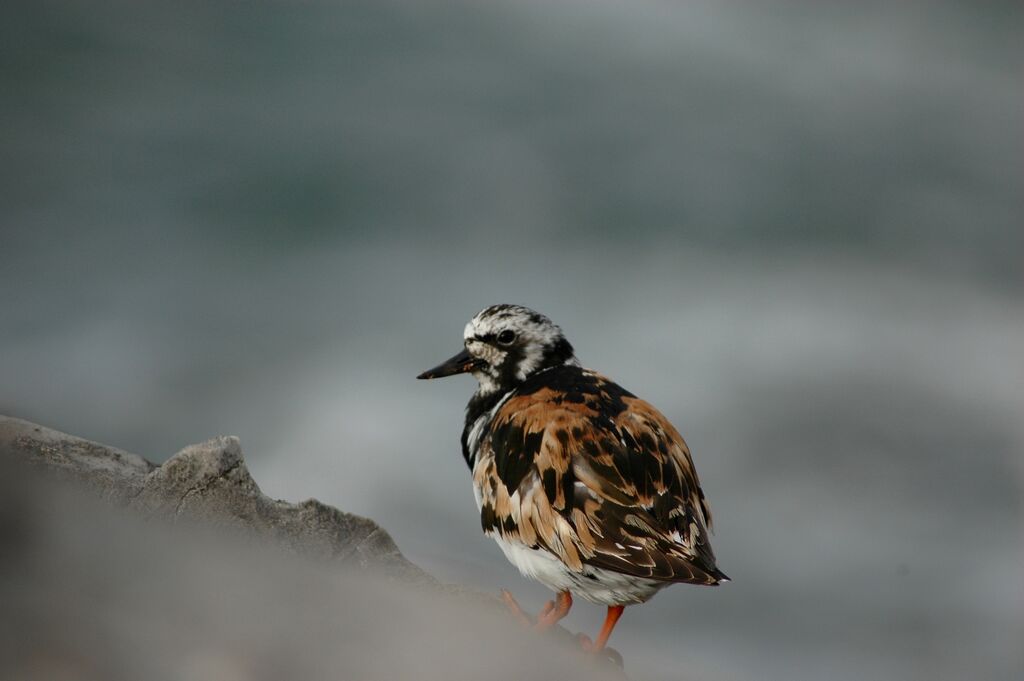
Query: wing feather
598, 477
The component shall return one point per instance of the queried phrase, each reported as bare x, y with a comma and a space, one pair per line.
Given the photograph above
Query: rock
210, 481
67, 564
92, 593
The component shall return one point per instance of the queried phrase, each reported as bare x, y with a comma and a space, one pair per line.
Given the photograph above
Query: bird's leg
513, 607
553, 611
614, 613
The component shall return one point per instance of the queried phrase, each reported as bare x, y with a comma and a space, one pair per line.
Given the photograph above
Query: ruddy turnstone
586, 488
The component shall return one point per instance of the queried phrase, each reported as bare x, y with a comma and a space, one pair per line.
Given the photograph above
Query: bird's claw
513, 607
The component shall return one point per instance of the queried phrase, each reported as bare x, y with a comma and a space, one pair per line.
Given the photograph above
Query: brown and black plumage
585, 487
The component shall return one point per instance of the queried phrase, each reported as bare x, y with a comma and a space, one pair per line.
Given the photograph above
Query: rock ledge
210, 481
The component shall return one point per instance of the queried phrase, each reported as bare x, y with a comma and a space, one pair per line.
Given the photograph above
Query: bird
585, 487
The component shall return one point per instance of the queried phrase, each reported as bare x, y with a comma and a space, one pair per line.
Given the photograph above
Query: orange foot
553, 611
513, 607
550, 614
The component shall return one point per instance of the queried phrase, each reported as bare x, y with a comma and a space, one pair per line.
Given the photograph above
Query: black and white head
505, 345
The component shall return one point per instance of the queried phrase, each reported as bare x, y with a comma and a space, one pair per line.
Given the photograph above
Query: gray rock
210, 481
92, 593
58, 557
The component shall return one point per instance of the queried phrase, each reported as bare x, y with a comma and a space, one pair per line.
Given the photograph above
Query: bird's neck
489, 395
480, 405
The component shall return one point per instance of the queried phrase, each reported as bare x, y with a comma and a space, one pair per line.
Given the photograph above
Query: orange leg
553, 611
614, 613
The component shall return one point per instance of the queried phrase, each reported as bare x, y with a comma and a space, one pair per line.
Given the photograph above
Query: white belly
594, 584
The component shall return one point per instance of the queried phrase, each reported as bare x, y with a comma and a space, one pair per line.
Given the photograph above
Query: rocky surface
177, 588
209, 481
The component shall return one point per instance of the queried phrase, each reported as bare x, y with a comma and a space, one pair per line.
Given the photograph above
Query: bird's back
573, 464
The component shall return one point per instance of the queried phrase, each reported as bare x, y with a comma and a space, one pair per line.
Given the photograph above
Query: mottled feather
574, 464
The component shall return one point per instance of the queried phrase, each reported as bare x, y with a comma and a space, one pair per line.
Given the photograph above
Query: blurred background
794, 227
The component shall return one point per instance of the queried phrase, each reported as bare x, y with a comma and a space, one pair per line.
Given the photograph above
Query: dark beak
459, 364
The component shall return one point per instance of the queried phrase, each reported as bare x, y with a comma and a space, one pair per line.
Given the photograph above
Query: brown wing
597, 476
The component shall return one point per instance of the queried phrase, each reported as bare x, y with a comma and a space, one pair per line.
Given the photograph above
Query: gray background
794, 227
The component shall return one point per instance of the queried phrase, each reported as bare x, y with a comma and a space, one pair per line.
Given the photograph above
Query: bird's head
504, 345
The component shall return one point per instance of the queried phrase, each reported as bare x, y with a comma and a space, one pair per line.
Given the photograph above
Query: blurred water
795, 229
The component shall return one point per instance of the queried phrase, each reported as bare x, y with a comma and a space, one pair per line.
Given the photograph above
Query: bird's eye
506, 337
